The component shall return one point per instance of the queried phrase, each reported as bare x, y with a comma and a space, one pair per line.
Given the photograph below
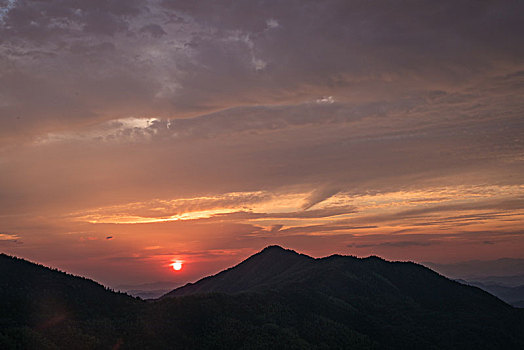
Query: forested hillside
276, 298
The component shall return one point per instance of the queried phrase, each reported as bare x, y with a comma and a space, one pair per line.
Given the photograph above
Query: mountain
511, 295
277, 298
503, 278
39, 305
370, 296
278, 269
272, 267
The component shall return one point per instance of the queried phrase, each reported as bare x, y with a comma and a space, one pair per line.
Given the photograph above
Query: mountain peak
264, 268
274, 257
273, 247
276, 249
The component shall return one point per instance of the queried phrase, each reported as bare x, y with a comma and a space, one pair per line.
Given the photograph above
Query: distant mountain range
277, 298
503, 278
512, 295
508, 269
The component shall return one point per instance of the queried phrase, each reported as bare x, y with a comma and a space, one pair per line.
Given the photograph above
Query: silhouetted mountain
41, 308
511, 295
502, 277
371, 295
519, 304
278, 269
273, 267
274, 299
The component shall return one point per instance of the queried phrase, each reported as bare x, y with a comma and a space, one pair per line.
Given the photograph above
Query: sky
136, 133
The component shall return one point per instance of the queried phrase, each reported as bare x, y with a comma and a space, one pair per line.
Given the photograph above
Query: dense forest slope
276, 298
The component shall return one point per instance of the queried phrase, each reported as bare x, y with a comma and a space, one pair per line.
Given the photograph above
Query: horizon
448, 270
140, 136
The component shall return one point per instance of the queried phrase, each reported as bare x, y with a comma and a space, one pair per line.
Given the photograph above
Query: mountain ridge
286, 259
280, 299
294, 270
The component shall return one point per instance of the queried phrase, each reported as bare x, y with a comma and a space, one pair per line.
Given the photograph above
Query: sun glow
177, 265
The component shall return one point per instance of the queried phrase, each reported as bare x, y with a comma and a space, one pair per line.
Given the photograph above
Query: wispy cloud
396, 244
318, 196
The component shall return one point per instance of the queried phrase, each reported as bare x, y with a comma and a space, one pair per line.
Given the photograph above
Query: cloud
396, 244
310, 214
484, 210
326, 99
318, 196
334, 228
511, 204
8, 237
165, 209
301, 122
154, 30
75, 64
275, 228
7, 6
272, 23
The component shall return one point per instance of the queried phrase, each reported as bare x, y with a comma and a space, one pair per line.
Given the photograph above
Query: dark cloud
46, 20
77, 62
154, 30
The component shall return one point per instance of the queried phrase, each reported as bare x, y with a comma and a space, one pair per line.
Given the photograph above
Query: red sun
177, 265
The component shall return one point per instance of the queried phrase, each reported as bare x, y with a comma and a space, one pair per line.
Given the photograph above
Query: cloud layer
219, 127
